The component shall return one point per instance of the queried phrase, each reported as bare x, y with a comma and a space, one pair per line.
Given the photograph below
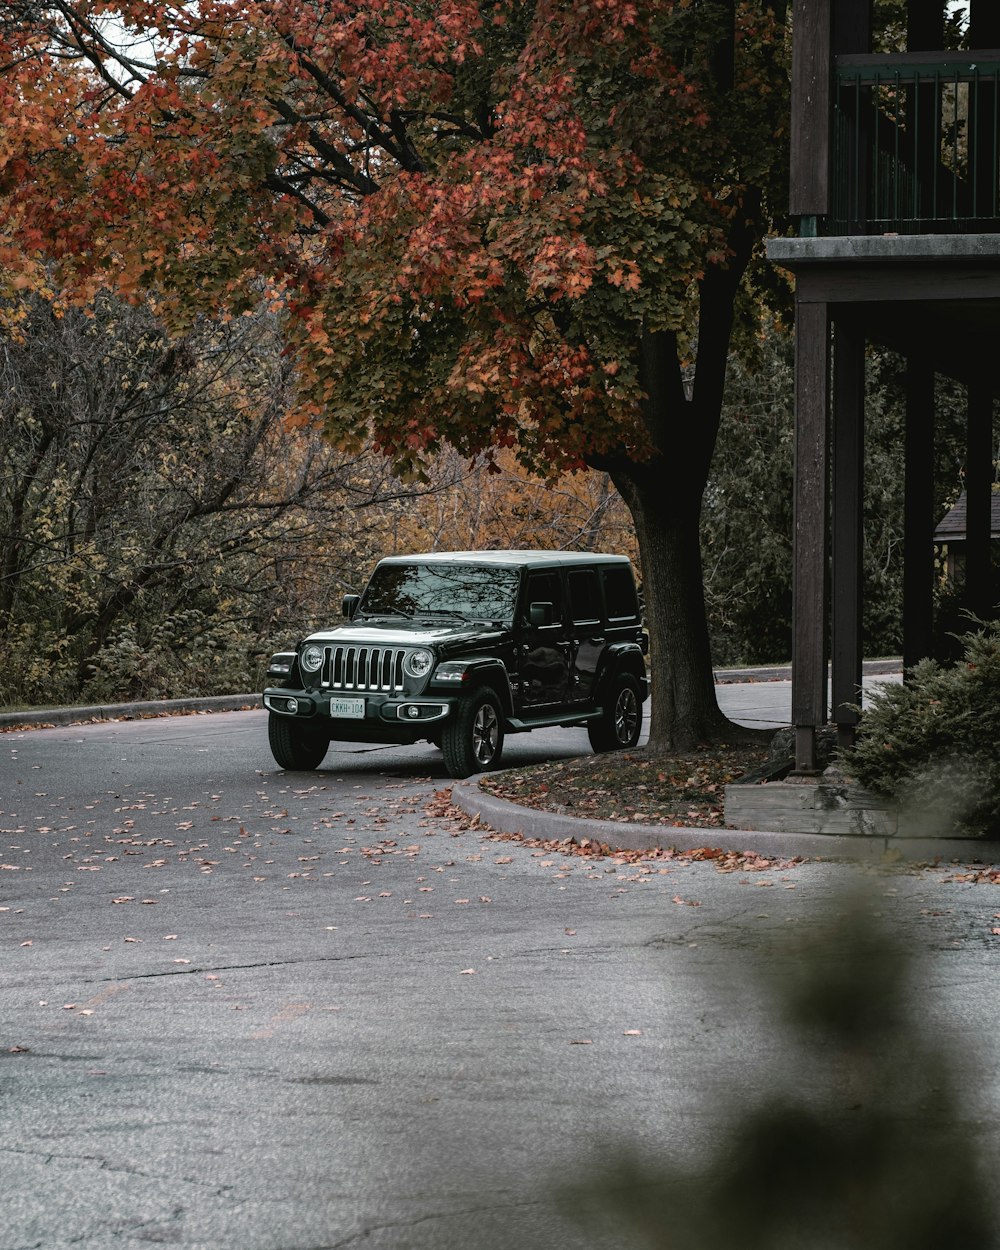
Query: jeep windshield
468, 592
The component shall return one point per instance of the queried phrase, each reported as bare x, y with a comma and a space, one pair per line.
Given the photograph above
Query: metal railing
916, 144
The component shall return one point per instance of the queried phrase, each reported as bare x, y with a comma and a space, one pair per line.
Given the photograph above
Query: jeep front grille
362, 668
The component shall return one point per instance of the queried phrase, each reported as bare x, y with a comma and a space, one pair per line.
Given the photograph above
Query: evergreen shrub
933, 744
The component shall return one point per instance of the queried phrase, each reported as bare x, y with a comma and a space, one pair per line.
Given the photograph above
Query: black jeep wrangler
459, 648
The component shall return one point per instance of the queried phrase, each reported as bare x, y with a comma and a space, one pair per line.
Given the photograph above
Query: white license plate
348, 709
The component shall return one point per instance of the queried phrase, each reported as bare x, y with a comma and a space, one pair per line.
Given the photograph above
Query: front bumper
368, 708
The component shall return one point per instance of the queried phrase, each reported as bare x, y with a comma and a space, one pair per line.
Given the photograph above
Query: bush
931, 745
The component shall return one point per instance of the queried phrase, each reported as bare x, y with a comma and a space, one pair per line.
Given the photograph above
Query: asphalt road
246, 1010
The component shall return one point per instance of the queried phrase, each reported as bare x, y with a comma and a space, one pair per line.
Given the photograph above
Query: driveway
245, 1010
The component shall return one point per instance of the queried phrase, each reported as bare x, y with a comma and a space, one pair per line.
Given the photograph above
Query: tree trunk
664, 495
667, 514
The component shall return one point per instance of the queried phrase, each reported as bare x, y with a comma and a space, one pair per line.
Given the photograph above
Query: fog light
291, 705
413, 712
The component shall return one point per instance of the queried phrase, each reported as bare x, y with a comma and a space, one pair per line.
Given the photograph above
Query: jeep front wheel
620, 723
473, 738
294, 745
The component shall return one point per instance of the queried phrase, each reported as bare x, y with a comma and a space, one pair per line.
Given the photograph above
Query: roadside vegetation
164, 526
931, 745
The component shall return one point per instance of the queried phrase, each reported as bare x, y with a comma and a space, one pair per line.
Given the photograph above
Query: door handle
596, 641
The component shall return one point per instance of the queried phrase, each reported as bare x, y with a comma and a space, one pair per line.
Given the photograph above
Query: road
245, 1010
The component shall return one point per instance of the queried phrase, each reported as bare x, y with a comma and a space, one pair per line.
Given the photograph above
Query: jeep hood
446, 635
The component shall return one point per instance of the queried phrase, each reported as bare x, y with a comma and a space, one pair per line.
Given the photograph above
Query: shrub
931, 744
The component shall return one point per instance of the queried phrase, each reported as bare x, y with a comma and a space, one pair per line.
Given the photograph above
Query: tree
493, 225
160, 528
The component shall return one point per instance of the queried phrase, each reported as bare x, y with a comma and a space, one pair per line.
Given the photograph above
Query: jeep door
588, 636
544, 650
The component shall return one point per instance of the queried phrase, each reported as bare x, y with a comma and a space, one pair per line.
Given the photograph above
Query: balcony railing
916, 144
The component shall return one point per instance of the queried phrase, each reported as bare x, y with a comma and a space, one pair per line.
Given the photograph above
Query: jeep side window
584, 596
619, 593
545, 588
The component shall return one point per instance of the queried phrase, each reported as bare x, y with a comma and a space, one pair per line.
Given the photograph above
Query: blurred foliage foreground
860, 1140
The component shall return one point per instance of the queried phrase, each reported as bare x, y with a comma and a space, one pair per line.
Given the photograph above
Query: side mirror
351, 605
540, 614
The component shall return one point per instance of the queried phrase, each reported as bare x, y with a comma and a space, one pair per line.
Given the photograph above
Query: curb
508, 817
128, 711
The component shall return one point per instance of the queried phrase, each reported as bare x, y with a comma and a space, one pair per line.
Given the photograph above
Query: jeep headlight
311, 658
417, 663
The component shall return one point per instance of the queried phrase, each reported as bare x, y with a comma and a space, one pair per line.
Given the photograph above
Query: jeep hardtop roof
524, 558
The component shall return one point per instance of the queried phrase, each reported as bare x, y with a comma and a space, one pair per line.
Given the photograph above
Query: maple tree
494, 225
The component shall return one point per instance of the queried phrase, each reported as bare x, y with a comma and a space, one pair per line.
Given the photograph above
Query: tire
473, 739
293, 745
620, 723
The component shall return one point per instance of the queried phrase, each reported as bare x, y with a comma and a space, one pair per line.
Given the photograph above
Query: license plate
348, 709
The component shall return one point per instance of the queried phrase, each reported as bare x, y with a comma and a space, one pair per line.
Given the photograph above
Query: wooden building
895, 185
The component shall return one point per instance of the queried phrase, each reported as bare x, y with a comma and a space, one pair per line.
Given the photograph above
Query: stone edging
128, 711
508, 817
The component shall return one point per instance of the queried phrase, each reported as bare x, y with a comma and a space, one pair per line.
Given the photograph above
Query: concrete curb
508, 817
128, 711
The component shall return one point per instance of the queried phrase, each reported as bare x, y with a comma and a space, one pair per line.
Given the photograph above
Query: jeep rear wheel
295, 746
620, 723
473, 738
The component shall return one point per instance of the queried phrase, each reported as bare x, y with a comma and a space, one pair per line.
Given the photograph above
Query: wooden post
809, 187
852, 26
918, 513
925, 32
848, 502
809, 594
978, 488
984, 24
984, 132
925, 25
